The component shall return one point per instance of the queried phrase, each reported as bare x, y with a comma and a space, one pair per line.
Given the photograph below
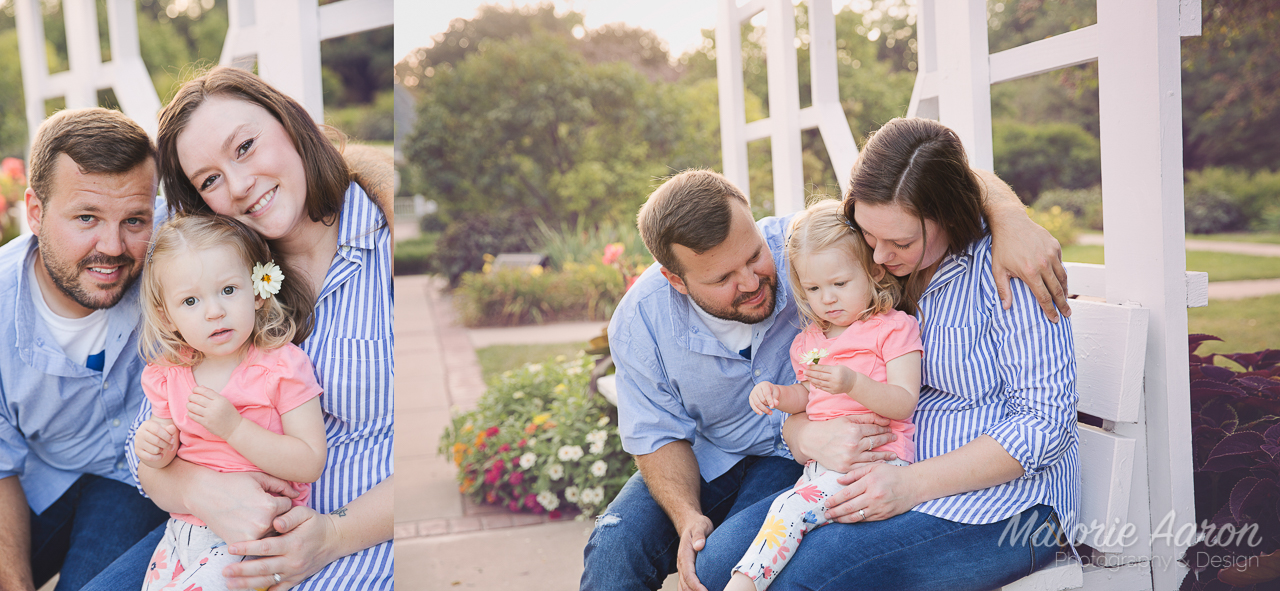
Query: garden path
1225, 290
443, 541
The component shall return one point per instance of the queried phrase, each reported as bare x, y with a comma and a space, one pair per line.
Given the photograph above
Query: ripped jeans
634, 543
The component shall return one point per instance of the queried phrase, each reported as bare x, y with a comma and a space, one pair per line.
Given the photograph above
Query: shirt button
115, 422
757, 373
104, 385
119, 465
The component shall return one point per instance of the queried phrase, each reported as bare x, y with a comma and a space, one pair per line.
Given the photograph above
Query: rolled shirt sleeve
13, 450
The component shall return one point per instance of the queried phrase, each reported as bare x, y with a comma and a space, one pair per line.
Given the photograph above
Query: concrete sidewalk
443, 541
1225, 290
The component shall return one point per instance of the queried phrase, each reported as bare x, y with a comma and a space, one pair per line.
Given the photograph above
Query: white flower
571, 494
597, 436
573, 371
560, 358
596, 448
599, 468
555, 471
267, 279
592, 496
548, 500
518, 394
813, 357
527, 460
534, 367
603, 421
570, 453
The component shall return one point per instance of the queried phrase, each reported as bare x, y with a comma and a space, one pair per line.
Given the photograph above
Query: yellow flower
535, 270
542, 418
488, 258
560, 388
773, 532
488, 268
467, 428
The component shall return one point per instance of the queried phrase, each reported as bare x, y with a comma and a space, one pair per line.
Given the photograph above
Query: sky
679, 22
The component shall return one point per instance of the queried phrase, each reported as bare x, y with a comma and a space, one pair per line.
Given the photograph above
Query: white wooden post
125, 74
954, 80
287, 45
786, 119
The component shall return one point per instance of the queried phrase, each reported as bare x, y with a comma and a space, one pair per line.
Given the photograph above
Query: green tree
1036, 157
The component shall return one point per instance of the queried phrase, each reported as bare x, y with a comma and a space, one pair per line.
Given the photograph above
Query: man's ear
34, 210
675, 281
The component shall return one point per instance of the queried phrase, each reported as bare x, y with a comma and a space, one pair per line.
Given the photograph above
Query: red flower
491, 432
555, 514
516, 478
611, 253
531, 501
12, 168
499, 464
492, 477
504, 447
514, 505
522, 442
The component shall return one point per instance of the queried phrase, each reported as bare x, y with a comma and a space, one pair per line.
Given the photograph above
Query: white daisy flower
569, 453
518, 394
267, 279
555, 471
597, 436
573, 371
548, 500
527, 460
603, 421
534, 367
571, 494
813, 357
596, 448
599, 468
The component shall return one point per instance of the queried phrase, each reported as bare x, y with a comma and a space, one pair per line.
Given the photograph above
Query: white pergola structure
1136, 470
283, 35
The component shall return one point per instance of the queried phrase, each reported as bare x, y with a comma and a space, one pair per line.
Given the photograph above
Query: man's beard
733, 314
70, 282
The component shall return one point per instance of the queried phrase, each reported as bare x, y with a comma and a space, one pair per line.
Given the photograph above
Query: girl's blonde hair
821, 226
284, 317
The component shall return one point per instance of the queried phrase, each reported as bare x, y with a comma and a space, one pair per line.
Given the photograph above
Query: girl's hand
305, 545
153, 441
836, 379
880, 491
764, 398
213, 411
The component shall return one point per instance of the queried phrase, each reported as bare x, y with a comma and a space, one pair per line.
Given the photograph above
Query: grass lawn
1221, 266
499, 358
1244, 325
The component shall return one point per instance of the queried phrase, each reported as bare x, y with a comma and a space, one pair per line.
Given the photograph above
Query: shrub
1059, 222
538, 442
414, 256
1085, 204
1235, 430
1255, 195
1035, 158
1210, 211
512, 296
583, 244
467, 239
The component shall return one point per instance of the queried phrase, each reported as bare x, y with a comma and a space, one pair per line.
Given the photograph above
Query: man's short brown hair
100, 141
692, 209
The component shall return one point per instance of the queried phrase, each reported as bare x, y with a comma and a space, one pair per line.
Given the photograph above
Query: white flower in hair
267, 278
813, 357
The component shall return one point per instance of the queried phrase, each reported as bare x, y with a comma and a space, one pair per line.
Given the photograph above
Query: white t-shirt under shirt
79, 338
735, 335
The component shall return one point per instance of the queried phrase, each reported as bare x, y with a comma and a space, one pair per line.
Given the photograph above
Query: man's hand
764, 398
1021, 248
693, 538
213, 411
836, 379
839, 444
154, 442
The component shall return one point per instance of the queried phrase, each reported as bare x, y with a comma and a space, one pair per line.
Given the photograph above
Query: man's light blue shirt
677, 381
60, 419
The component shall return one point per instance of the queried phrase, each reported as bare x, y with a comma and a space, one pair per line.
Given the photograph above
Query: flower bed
537, 442
1235, 423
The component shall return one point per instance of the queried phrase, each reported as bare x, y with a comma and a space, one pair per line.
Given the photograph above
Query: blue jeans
634, 543
911, 551
130, 569
91, 524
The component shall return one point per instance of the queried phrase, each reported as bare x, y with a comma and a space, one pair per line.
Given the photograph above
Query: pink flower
531, 501
555, 514
12, 168
611, 253
492, 477
516, 478
491, 432
499, 464
504, 447
630, 281
514, 505
522, 442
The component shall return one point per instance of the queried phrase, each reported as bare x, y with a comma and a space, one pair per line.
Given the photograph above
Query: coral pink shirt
264, 386
865, 346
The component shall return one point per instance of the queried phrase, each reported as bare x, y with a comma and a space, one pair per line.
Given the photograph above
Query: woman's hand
306, 543
880, 491
839, 444
240, 506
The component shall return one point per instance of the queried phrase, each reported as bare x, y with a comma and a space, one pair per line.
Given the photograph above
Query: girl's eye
189, 302
840, 283
244, 147
228, 290
208, 181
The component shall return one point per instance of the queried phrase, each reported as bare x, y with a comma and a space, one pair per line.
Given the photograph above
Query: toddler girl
856, 355
227, 388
